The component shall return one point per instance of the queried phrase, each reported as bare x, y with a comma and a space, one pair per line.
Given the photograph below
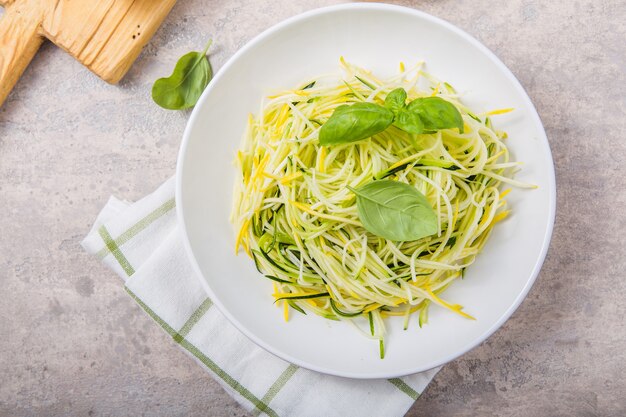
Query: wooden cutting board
105, 35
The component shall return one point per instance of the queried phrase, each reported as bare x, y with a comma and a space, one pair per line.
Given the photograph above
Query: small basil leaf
395, 211
409, 121
395, 100
353, 123
436, 113
183, 88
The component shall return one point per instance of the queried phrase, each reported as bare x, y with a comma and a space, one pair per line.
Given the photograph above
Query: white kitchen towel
142, 243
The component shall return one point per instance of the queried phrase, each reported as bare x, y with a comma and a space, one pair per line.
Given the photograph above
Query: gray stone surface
73, 343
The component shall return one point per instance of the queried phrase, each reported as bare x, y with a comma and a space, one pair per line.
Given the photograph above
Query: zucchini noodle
295, 216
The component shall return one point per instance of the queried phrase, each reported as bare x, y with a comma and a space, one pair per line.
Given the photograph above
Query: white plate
377, 37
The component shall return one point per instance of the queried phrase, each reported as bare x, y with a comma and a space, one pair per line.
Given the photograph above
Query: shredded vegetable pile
295, 215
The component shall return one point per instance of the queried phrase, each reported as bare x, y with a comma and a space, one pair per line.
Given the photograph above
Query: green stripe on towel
197, 315
275, 388
402, 386
139, 226
115, 250
232, 382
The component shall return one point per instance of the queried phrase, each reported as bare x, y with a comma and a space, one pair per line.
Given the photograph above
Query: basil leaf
436, 113
353, 123
409, 122
395, 100
183, 88
395, 211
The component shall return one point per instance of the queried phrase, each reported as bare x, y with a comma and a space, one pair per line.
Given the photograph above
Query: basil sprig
395, 210
183, 88
362, 120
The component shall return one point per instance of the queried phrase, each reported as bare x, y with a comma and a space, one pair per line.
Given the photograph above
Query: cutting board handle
19, 42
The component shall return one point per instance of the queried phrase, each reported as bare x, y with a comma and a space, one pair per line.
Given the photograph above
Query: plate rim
533, 114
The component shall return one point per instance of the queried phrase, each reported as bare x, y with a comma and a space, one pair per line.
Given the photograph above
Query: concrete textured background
73, 343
